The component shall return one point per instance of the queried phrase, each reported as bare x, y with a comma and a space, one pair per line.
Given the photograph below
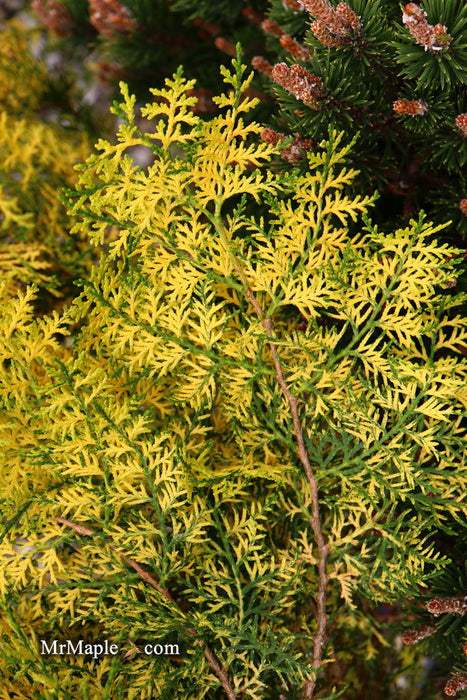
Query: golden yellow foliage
157, 492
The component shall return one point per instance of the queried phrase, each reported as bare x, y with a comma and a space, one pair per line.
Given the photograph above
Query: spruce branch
146, 576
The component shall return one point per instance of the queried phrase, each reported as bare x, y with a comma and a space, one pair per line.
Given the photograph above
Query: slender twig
315, 520
209, 656
214, 664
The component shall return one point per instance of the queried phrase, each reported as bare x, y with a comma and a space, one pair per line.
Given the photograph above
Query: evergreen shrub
254, 422
37, 159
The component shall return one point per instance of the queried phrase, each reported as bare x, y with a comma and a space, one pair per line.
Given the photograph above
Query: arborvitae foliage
259, 421
22, 78
37, 160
